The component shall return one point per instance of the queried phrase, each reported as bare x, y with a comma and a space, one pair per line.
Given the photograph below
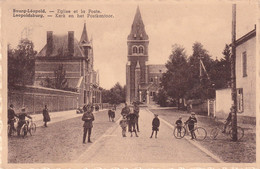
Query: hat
156, 115
23, 108
11, 105
192, 113
180, 117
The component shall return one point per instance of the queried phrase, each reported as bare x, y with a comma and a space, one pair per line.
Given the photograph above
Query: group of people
22, 118
130, 119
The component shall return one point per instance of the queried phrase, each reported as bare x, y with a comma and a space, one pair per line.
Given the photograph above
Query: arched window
134, 49
141, 49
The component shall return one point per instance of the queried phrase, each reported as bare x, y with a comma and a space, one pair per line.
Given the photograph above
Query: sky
166, 23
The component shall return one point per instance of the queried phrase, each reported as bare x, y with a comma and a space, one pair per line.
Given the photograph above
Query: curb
195, 144
108, 132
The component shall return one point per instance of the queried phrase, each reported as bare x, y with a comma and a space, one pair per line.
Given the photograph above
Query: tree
174, 81
199, 78
161, 98
60, 80
21, 63
115, 95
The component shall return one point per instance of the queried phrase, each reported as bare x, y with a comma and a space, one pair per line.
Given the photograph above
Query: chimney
71, 43
49, 43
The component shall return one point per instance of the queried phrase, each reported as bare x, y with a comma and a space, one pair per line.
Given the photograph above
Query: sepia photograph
137, 84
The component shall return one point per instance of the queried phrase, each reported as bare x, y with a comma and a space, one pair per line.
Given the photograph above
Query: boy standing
156, 124
191, 122
179, 124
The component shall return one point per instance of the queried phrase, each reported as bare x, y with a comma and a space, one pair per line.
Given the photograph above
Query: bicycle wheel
32, 128
214, 133
24, 130
179, 133
240, 133
200, 133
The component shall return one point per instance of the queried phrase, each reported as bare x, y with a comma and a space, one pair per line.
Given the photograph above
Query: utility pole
233, 75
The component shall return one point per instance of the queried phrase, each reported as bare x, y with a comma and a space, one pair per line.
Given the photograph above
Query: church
142, 79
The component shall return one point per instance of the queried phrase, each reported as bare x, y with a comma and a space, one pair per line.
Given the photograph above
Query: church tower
137, 55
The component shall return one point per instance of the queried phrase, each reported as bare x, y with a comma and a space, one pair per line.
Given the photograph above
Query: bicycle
31, 126
215, 132
199, 132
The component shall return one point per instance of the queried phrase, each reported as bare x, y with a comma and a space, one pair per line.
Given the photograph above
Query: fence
34, 99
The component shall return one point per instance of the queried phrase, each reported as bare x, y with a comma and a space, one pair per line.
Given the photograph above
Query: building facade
75, 60
246, 74
142, 80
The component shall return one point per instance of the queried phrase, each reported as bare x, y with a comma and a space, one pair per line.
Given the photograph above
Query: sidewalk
58, 116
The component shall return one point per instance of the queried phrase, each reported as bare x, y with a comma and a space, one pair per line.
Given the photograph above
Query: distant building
142, 80
246, 73
76, 59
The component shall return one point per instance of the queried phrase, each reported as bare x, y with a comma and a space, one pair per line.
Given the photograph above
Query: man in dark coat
88, 118
136, 111
46, 116
11, 118
132, 120
155, 124
125, 111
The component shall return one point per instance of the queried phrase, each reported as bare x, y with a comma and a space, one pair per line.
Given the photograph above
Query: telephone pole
233, 75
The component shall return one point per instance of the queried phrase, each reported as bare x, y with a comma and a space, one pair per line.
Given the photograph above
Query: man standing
136, 111
88, 118
11, 119
46, 116
125, 111
132, 120
22, 121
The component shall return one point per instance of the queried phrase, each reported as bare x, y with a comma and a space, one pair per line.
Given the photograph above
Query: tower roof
84, 35
138, 30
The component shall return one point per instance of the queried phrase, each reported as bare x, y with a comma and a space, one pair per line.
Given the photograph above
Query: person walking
155, 124
136, 111
11, 119
46, 116
132, 120
88, 118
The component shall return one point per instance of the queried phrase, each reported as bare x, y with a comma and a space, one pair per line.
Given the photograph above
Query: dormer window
134, 50
141, 49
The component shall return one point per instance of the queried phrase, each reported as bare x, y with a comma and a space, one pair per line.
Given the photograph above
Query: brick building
142, 80
76, 59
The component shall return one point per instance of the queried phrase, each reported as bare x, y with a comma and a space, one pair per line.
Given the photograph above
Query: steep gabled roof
138, 30
60, 48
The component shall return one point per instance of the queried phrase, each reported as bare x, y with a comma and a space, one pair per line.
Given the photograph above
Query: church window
134, 49
141, 49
